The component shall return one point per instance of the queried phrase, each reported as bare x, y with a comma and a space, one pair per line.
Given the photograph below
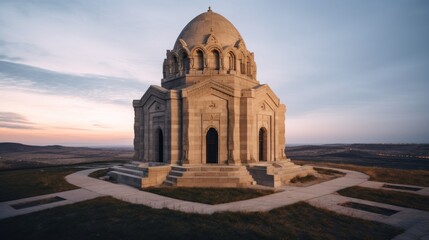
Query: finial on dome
210, 9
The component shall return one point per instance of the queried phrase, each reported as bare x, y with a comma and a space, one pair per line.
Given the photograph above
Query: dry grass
107, 218
391, 175
308, 178
402, 199
99, 173
18, 184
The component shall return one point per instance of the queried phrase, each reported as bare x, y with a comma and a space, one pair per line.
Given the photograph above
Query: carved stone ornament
212, 105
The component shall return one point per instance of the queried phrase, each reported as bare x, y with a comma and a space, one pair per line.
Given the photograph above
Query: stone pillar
234, 129
138, 131
173, 126
185, 128
280, 129
247, 121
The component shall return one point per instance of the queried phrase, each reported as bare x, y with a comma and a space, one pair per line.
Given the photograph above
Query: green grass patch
18, 184
99, 173
409, 200
391, 175
107, 218
209, 195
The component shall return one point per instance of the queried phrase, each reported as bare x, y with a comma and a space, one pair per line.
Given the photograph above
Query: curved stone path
290, 195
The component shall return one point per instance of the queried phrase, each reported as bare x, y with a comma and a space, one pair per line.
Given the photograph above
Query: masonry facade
210, 108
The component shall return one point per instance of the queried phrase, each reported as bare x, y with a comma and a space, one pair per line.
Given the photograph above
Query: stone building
211, 110
210, 107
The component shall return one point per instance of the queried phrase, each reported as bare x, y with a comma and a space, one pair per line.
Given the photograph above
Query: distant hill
17, 155
405, 156
8, 147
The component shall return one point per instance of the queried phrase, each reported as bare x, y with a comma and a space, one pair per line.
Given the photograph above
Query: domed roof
199, 29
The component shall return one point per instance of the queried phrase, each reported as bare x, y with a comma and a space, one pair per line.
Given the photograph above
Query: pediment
154, 92
207, 87
264, 92
155, 105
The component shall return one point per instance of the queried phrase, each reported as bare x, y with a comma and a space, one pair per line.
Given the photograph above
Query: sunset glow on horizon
348, 72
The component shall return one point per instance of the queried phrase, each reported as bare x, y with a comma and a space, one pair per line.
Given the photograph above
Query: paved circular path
290, 195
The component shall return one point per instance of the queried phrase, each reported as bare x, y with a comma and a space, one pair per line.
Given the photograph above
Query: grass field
107, 218
403, 199
209, 195
391, 175
17, 184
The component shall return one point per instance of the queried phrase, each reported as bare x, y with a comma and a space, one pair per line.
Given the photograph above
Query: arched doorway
262, 144
160, 146
212, 146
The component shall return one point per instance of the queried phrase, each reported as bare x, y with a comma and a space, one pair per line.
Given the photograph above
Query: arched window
242, 67
216, 60
185, 63
200, 60
262, 144
175, 65
231, 61
249, 67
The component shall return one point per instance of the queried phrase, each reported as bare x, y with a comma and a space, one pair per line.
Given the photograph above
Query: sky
348, 71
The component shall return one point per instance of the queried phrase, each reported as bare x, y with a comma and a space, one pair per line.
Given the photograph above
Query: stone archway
159, 146
212, 146
262, 144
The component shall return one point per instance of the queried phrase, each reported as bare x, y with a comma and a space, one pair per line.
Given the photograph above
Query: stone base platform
276, 174
271, 174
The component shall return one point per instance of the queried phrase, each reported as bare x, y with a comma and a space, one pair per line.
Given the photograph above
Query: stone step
125, 178
208, 184
207, 168
176, 173
136, 172
209, 176
169, 183
215, 174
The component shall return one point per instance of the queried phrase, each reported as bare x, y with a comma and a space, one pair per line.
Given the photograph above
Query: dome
202, 26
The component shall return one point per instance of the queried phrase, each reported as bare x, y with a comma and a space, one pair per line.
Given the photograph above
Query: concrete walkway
321, 195
72, 196
424, 191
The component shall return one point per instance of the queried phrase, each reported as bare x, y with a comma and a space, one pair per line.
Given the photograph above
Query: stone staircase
138, 174
209, 176
129, 174
275, 174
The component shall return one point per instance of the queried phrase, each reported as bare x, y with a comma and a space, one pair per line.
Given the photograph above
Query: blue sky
348, 71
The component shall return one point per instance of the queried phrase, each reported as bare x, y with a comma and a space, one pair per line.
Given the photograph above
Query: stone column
173, 126
185, 128
138, 131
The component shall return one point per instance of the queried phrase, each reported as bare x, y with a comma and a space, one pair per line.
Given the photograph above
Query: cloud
103, 89
16, 126
15, 121
8, 58
11, 117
